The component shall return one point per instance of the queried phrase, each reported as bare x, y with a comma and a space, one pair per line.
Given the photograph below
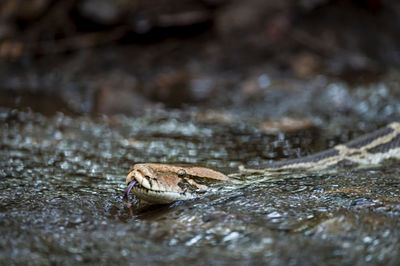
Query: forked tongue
128, 190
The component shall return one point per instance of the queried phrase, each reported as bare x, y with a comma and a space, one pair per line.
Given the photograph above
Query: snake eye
181, 173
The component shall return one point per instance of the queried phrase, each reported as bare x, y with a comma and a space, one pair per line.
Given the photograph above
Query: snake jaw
150, 187
142, 178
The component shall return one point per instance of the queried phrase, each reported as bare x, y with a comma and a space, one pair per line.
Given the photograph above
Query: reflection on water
62, 181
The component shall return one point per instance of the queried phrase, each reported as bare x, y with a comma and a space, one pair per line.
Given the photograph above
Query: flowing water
62, 182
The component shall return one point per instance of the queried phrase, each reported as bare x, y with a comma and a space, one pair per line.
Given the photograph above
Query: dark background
107, 57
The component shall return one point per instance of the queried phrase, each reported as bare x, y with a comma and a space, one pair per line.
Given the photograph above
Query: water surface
62, 181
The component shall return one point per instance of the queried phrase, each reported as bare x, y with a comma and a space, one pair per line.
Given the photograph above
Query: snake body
163, 183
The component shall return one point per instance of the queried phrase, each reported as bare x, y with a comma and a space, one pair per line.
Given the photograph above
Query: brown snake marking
162, 183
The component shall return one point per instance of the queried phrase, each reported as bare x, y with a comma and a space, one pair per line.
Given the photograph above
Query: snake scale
163, 183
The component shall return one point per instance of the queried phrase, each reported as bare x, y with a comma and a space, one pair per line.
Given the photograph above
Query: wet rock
11, 49
336, 226
172, 88
63, 181
218, 217
103, 12
183, 19
285, 125
255, 85
113, 101
338, 97
250, 15
360, 191
118, 94
277, 27
311, 4
213, 117
158, 20
236, 17
305, 65
7, 30
372, 5
20, 9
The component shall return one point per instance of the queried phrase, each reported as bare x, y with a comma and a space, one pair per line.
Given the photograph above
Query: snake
157, 183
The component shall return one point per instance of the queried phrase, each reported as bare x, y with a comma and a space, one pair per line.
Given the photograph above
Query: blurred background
90, 87
264, 58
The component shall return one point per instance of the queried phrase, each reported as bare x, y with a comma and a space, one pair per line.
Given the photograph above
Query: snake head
163, 183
